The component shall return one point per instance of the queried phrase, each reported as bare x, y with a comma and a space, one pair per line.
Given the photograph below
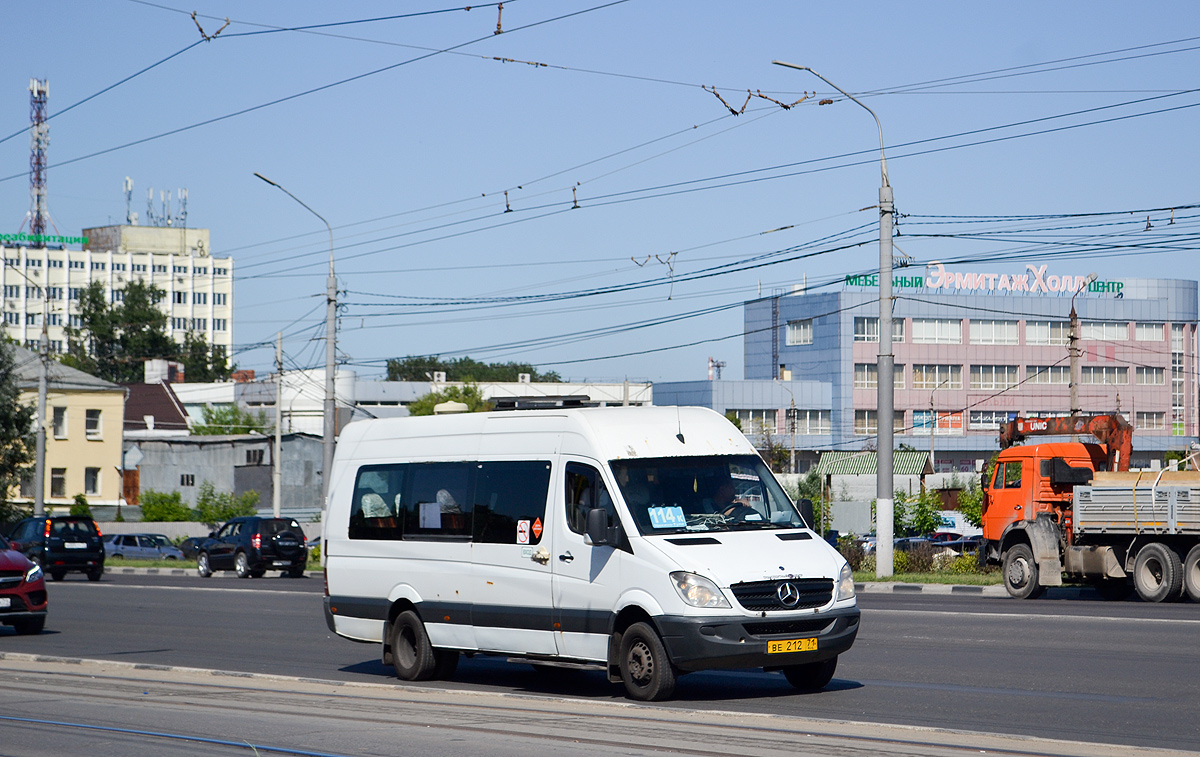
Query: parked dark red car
23, 599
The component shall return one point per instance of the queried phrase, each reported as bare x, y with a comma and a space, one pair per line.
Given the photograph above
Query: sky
644, 210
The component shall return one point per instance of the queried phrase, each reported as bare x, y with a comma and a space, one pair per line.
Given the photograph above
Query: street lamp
330, 346
1073, 352
39, 459
884, 504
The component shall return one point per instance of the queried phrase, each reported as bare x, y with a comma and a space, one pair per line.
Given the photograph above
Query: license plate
5, 601
791, 645
75, 545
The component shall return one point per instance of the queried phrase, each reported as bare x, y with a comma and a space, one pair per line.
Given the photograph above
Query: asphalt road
1060, 668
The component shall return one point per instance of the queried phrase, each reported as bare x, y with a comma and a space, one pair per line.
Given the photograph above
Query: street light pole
1073, 352
330, 347
39, 459
884, 503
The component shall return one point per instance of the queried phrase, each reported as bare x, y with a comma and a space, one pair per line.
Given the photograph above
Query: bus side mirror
806, 512
597, 526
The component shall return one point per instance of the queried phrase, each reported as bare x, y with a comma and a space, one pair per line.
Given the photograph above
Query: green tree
81, 507
468, 395
113, 340
231, 419
16, 433
422, 368
213, 507
916, 514
160, 507
202, 362
732, 417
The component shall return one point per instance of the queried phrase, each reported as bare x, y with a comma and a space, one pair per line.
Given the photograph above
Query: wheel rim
1191, 576
202, 563
406, 648
1018, 573
1152, 572
242, 565
641, 662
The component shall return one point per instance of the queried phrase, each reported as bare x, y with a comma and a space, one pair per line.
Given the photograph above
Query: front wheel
58, 575
30, 626
645, 667
811, 676
1158, 573
241, 564
412, 655
202, 566
1020, 572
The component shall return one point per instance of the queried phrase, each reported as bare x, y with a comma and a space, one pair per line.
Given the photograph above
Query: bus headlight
698, 591
845, 583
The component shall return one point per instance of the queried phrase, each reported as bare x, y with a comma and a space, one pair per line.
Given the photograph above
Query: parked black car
190, 547
252, 546
62, 543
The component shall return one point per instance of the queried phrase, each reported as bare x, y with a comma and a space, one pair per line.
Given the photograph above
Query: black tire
1158, 573
447, 663
1020, 573
58, 575
259, 573
202, 566
117, 556
95, 573
811, 676
296, 571
412, 656
1114, 589
241, 564
646, 669
1191, 573
29, 626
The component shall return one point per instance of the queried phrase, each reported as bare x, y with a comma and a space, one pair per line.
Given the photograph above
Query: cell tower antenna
39, 140
181, 219
131, 217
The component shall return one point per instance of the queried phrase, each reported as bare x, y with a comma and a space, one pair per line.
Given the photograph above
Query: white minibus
646, 542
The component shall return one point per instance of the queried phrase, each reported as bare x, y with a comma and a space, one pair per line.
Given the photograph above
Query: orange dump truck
1074, 510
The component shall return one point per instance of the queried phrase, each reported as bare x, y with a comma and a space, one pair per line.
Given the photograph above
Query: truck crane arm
1112, 430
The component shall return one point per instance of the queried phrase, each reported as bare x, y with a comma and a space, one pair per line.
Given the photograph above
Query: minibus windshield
711, 493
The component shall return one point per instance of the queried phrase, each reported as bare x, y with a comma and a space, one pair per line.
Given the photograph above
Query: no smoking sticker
522, 532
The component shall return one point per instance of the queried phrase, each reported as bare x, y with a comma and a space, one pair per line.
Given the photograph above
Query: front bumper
721, 642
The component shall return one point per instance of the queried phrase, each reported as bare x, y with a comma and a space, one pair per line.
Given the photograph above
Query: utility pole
39, 466
1073, 353
884, 502
277, 453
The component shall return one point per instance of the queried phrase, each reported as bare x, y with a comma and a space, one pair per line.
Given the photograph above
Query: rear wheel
259, 573
296, 571
1021, 573
95, 573
412, 655
241, 564
58, 575
202, 566
29, 626
645, 667
1191, 573
811, 676
1158, 573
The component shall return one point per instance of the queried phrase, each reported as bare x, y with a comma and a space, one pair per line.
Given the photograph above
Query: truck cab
1033, 480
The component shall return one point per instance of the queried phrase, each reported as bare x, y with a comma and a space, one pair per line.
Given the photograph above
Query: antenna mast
39, 140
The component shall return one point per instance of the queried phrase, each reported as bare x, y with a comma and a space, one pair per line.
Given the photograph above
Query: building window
1102, 374
76, 264
995, 332
60, 423
75, 293
866, 422
756, 421
54, 319
220, 271
26, 485
179, 269
1148, 376
199, 298
1150, 421
200, 270
76, 321
54, 263
179, 324
138, 267
254, 456
798, 332
118, 295
812, 422
866, 376
1105, 332
199, 324
118, 266
1149, 332
33, 293
1177, 381
12, 319
12, 291
1048, 333
58, 482
993, 376
866, 329
91, 425
946, 422
179, 298
56, 346
989, 420
219, 324
33, 263
937, 331
1047, 374
937, 377
32, 319
55, 293
160, 269
187, 479
96, 266
218, 298
91, 480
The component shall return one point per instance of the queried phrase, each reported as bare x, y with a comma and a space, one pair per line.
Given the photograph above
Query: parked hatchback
253, 545
141, 547
62, 543
23, 599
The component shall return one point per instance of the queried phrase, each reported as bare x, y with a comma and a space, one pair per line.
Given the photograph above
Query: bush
161, 507
214, 508
80, 506
852, 550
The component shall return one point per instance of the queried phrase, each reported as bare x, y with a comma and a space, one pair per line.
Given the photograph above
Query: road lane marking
223, 590
1032, 616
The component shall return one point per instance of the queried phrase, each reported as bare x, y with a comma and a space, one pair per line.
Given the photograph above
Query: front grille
764, 595
788, 627
11, 577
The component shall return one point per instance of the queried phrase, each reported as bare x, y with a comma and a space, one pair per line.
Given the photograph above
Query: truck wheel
645, 667
1191, 573
811, 676
1157, 573
412, 655
1021, 573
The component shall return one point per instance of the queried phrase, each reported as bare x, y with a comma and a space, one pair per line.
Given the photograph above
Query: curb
896, 587
178, 572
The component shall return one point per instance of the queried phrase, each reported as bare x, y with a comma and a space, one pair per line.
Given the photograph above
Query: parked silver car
141, 547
